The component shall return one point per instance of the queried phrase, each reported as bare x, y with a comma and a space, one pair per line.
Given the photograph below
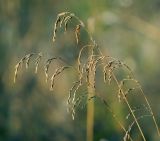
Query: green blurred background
125, 29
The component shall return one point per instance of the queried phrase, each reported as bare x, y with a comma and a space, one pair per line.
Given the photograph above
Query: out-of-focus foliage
126, 29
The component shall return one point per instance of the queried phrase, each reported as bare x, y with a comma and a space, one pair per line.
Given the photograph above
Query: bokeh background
125, 29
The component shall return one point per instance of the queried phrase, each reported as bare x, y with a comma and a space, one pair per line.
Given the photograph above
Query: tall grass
86, 71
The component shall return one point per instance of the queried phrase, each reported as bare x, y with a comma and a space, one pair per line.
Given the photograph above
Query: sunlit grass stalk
90, 106
91, 91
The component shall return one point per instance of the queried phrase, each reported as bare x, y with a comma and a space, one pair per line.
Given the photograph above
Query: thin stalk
132, 113
149, 106
90, 117
90, 105
150, 109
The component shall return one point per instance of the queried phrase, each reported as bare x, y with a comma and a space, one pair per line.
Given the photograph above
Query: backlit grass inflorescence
86, 76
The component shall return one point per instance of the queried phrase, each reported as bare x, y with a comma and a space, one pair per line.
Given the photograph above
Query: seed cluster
26, 59
63, 19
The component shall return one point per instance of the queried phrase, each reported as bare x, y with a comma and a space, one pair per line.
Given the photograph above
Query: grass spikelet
38, 59
55, 27
77, 32
20, 63
46, 67
62, 19
28, 58
66, 20
48, 63
16, 71
87, 75
73, 99
119, 95
63, 13
70, 92
70, 95
56, 73
104, 74
75, 91
107, 71
109, 75
94, 68
77, 102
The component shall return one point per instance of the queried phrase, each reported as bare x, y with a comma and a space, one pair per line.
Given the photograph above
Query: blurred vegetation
126, 29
